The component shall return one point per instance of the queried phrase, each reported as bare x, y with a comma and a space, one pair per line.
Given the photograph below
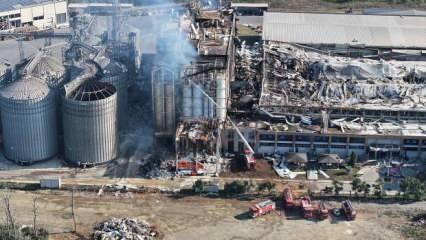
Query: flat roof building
250, 9
38, 13
343, 29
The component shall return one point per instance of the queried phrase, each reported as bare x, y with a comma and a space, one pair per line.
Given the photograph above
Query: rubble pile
248, 67
124, 229
298, 76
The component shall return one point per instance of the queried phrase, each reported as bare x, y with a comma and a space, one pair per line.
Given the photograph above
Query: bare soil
205, 218
263, 169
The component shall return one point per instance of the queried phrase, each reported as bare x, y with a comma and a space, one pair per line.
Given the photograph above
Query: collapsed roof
298, 77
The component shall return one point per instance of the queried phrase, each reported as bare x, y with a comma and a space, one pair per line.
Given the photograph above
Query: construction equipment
262, 208
348, 210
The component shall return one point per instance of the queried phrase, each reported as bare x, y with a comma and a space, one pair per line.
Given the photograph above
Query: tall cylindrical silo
160, 111
187, 100
117, 74
198, 100
28, 111
221, 99
169, 99
163, 97
53, 72
90, 123
206, 106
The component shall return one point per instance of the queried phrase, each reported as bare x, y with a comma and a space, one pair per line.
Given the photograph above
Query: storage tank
163, 96
28, 120
187, 100
221, 99
90, 123
53, 72
117, 74
198, 101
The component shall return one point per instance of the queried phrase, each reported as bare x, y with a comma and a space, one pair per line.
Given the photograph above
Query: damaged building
339, 84
203, 87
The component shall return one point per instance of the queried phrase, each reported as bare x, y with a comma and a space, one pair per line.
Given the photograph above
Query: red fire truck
262, 208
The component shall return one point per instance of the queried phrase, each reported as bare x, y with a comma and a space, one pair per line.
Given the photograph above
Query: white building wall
26, 15
49, 11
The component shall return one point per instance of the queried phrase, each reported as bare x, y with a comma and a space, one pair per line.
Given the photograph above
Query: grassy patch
414, 232
343, 174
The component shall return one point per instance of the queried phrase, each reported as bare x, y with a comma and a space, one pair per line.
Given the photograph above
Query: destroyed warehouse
338, 84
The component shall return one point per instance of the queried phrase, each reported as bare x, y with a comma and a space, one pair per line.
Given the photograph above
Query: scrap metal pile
124, 229
299, 77
248, 67
248, 78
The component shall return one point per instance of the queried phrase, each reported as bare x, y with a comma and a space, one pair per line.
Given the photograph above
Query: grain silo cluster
69, 111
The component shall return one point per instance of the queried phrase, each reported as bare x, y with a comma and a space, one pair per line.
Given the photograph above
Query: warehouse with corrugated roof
408, 32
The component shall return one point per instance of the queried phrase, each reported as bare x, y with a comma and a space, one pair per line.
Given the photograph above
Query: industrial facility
340, 84
318, 86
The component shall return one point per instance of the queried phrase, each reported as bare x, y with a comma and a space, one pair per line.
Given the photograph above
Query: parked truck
308, 209
288, 200
348, 210
262, 208
322, 211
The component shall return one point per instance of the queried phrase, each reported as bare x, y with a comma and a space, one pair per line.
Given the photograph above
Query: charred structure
360, 93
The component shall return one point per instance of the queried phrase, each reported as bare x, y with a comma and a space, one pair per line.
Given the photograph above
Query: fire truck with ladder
262, 208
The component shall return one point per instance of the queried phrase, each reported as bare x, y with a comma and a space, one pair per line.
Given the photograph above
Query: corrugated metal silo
117, 74
53, 72
90, 123
28, 111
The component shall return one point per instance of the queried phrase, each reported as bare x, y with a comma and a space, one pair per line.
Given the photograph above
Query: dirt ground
204, 218
263, 169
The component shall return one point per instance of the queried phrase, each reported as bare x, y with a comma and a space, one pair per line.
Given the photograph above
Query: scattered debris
419, 220
124, 229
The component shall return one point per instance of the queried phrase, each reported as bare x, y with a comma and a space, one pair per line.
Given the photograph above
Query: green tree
412, 186
198, 186
365, 188
352, 159
356, 183
338, 187
378, 188
236, 187
265, 186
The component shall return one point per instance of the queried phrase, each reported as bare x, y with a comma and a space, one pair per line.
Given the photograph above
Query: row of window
325, 146
38, 18
17, 15
299, 138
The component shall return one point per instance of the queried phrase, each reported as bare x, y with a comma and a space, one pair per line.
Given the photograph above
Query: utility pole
72, 209
35, 213
20, 48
